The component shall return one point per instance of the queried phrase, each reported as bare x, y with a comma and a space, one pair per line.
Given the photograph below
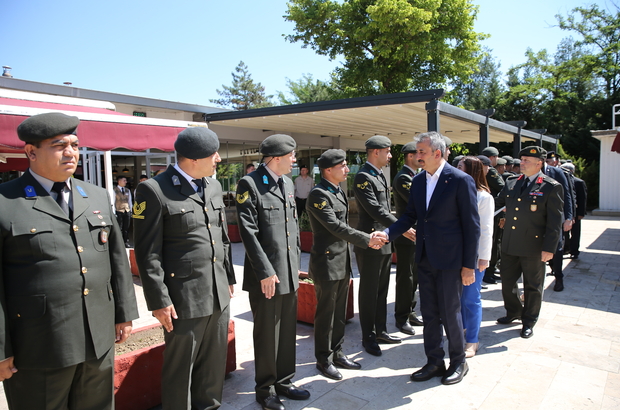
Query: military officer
495, 183
67, 292
330, 262
268, 226
184, 259
373, 199
534, 215
406, 268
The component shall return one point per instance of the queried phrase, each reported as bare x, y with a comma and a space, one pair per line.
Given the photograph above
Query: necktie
60, 198
281, 185
201, 186
123, 191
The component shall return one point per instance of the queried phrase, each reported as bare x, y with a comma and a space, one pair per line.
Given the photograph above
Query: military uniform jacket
328, 210
495, 181
268, 229
373, 203
401, 187
65, 282
182, 246
533, 218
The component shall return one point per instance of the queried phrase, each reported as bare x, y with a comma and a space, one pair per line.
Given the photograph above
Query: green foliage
244, 93
306, 90
390, 45
304, 223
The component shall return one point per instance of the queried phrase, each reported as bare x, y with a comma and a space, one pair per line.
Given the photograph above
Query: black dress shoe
527, 332
329, 371
489, 279
506, 320
496, 277
414, 320
455, 374
574, 256
346, 363
371, 347
384, 337
559, 284
270, 402
406, 328
292, 392
428, 372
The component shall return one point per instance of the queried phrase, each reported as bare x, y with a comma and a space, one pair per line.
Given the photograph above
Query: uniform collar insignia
81, 191
331, 189
373, 172
265, 180
30, 191
539, 180
175, 180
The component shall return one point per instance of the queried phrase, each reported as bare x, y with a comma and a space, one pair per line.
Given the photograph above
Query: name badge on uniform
30, 191
533, 207
103, 236
82, 192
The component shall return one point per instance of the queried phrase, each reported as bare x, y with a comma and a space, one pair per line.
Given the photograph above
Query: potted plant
233, 230
306, 299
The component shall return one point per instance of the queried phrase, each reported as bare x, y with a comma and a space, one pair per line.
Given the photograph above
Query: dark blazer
581, 194
373, 204
178, 251
270, 236
558, 175
533, 218
57, 274
328, 210
449, 230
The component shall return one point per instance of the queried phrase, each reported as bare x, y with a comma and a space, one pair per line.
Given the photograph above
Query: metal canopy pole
516, 138
432, 117
484, 128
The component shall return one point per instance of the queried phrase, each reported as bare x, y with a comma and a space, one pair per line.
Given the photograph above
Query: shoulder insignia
30, 191
241, 198
407, 186
363, 186
138, 209
82, 192
321, 205
175, 180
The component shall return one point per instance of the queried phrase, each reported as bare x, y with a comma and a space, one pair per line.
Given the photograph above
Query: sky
184, 50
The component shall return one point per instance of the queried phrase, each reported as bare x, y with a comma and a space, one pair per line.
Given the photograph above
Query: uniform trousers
497, 243
471, 308
533, 270
440, 303
85, 386
374, 269
575, 238
275, 332
406, 282
558, 258
195, 362
330, 319
123, 219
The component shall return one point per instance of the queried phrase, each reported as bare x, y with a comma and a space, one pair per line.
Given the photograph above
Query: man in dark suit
406, 268
550, 168
534, 214
184, 259
373, 203
67, 291
330, 262
443, 203
581, 199
268, 226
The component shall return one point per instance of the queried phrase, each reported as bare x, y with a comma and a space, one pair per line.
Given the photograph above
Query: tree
390, 45
244, 93
482, 90
306, 90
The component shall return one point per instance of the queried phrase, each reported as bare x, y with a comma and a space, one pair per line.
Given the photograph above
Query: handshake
378, 239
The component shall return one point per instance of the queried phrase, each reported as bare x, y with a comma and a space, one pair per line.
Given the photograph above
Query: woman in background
471, 306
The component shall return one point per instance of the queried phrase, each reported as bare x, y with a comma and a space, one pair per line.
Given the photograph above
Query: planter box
137, 374
394, 259
132, 262
306, 302
233, 233
306, 239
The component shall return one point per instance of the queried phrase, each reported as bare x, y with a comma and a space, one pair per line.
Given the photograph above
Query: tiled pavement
572, 362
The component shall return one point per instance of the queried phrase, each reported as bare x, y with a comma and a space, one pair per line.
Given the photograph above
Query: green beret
330, 158
551, 154
197, 143
485, 160
378, 142
277, 145
409, 147
516, 162
509, 159
533, 151
43, 126
501, 161
490, 152
447, 140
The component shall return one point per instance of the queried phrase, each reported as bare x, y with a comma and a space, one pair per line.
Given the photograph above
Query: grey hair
434, 139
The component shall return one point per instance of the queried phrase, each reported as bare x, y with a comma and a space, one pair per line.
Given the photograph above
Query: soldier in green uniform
406, 268
534, 216
330, 262
183, 254
373, 202
268, 226
67, 293
495, 183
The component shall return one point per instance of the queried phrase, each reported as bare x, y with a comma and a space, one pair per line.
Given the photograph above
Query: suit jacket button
327, 252
103, 223
18, 315
214, 259
206, 209
84, 270
514, 227
213, 242
33, 230
515, 218
288, 233
519, 199
80, 249
516, 209
172, 275
209, 226
289, 247
286, 219
86, 291
182, 210
75, 228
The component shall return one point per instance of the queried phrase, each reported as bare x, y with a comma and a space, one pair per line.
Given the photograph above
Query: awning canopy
99, 128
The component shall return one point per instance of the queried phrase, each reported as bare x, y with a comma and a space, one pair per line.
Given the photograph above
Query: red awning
99, 129
615, 147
